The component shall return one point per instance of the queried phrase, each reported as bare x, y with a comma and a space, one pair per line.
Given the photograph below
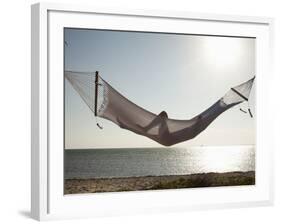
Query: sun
222, 52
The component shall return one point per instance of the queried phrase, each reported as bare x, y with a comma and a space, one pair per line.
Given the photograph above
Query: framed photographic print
148, 111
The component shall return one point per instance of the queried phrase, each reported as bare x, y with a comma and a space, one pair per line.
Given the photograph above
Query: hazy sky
181, 74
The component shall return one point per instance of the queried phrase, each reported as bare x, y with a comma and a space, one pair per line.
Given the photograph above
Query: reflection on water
217, 159
96, 163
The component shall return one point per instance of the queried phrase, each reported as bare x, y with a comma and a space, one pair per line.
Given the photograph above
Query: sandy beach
73, 186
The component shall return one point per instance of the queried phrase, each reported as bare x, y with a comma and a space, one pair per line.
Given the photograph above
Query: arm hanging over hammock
115, 107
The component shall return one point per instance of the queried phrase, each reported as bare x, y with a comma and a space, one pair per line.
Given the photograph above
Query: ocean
134, 162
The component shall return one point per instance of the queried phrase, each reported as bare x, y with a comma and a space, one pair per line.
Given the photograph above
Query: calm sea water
98, 163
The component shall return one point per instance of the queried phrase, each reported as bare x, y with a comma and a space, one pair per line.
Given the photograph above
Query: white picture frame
47, 199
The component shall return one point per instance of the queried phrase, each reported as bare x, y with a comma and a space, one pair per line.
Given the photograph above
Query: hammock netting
107, 103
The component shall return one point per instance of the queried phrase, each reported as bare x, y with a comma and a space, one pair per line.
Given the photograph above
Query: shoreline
117, 184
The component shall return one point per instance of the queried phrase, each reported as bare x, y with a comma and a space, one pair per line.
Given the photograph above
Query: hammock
105, 102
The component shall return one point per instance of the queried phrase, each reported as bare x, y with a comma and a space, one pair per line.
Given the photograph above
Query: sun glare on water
226, 159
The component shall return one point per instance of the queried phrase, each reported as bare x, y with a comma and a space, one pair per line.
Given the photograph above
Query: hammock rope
243, 111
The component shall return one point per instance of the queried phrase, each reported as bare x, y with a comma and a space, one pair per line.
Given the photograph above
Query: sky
179, 73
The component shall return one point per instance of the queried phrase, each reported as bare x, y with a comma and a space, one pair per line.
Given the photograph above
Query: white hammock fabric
106, 102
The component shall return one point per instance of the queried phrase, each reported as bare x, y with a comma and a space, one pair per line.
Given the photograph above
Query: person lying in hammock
192, 127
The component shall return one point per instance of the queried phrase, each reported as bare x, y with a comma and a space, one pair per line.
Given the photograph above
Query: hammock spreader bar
234, 90
96, 97
96, 92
